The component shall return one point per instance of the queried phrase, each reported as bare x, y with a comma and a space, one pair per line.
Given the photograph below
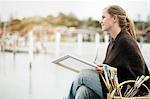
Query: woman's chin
103, 29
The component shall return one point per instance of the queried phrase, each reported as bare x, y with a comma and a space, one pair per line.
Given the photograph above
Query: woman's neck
114, 32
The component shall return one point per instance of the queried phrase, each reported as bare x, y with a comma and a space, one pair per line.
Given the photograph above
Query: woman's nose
100, 21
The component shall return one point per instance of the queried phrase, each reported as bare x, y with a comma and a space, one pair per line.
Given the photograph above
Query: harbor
43, 79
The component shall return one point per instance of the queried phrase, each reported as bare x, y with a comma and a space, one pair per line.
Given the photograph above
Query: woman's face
107, 21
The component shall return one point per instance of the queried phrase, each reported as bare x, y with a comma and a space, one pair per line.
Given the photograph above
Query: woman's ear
115, 18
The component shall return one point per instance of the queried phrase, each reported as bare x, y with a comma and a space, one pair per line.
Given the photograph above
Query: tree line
70, 20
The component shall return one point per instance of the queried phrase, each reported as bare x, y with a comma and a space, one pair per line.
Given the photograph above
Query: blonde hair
124, 22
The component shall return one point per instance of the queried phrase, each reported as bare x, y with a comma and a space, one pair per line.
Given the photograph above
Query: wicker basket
112, 94
117, 97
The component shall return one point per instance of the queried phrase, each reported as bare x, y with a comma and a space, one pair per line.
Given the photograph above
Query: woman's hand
100, 68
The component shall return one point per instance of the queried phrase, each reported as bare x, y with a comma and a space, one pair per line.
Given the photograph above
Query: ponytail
130, 27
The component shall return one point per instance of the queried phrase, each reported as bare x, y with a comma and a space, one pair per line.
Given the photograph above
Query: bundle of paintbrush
111, 81
110, 77
132, 91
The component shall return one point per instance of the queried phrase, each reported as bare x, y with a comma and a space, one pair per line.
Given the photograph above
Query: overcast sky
136, 9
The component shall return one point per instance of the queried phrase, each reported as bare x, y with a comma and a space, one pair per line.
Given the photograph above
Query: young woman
122, 53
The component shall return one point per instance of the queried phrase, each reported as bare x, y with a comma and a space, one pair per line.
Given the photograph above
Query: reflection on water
44, 80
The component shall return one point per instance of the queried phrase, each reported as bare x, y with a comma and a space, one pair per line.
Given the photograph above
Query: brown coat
124, 54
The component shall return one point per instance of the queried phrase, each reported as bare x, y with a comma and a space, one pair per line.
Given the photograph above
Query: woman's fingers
99, 71
99, 68
100, 65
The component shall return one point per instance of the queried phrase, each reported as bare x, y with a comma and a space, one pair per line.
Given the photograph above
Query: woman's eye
103, 17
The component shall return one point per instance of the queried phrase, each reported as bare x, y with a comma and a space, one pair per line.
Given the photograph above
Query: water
45, 80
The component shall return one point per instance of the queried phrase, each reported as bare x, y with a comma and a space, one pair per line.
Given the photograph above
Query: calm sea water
46, 80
